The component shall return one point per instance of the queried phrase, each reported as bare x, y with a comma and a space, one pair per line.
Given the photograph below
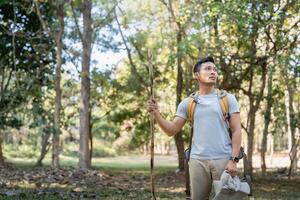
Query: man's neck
206, 89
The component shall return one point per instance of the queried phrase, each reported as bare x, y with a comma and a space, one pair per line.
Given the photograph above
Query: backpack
224, 104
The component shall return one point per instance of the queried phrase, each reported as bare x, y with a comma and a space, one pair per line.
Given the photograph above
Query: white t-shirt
211, 139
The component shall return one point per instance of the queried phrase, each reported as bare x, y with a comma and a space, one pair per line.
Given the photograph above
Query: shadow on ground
46, 183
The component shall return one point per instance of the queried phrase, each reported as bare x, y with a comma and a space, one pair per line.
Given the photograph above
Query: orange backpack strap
224, 103
191, 107
223, 100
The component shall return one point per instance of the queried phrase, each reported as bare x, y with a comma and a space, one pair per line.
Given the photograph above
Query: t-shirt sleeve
233, 104
182, 109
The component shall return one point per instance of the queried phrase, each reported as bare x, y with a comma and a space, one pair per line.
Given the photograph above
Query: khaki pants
202, 174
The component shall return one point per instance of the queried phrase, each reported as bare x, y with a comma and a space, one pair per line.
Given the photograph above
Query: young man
213, 150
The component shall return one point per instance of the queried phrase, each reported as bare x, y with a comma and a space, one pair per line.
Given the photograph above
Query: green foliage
21, 151
26, 60
141, 133
246, 38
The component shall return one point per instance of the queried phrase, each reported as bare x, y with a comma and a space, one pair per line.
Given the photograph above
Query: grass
271, 188
98, 163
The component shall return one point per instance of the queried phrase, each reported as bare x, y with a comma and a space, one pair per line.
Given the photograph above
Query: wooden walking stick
151, 76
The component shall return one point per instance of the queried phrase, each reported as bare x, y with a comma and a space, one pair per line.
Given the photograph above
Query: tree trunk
272, 150
254, 103
255, 91
267, 122
2, 163
179, 33
84, 150
249, 168
91, 136
292, 130
59, 45
293, 158
178, 136
45, 146
288, 128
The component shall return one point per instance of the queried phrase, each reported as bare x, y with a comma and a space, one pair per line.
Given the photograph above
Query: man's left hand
232, 168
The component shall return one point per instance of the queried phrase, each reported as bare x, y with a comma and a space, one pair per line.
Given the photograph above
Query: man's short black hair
202, 60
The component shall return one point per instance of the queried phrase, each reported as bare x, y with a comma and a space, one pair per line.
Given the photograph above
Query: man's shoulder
186, 100
226, 93
184, 103
232, 101
230, 97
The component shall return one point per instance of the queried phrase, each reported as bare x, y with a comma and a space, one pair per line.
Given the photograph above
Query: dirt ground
121, 183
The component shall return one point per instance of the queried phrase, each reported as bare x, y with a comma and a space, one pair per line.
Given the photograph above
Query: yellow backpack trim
191, 107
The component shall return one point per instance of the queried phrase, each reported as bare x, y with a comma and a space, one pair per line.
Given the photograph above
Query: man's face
207, 74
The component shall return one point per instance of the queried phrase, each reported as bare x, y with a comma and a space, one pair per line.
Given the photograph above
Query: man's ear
195, 75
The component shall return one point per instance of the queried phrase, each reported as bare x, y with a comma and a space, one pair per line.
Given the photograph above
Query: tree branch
261, 92
133, 67
44, 23
2, 78
245, 128
102, 22
72, 59
76, 21
8, 80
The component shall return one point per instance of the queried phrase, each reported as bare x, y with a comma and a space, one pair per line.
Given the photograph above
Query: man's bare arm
169, 127
235, 126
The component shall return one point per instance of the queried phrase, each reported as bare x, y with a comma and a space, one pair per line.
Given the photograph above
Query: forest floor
122, 178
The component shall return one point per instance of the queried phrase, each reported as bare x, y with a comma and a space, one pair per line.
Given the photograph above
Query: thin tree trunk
293, 159
179, 33
178, 136
2, 163
289, 136
267, 122
252, 110
288, 120
91, 136
254, 102
45, 146
84, 150
59, 46
249, 167
292, 129
271, 147
255, 96
57, 36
